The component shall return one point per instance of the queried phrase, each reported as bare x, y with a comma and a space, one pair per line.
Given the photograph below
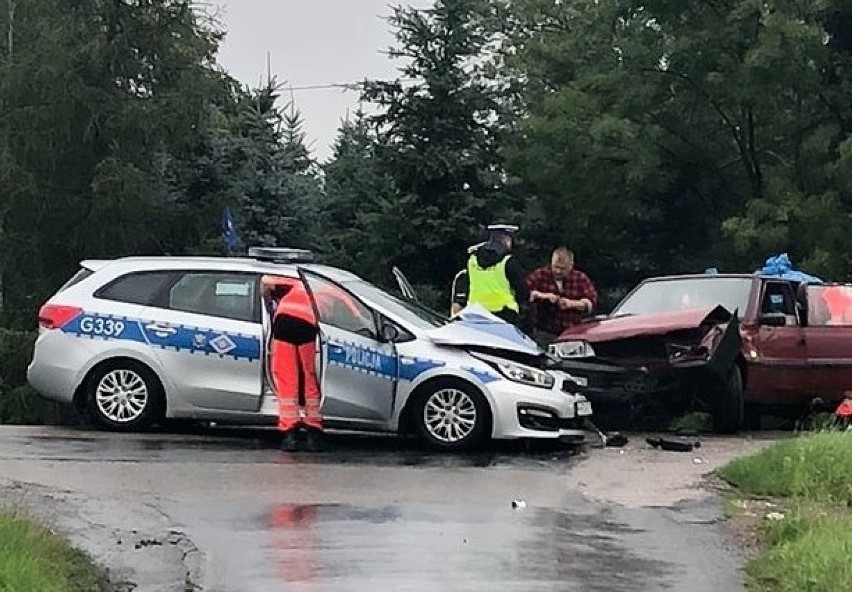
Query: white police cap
505, 228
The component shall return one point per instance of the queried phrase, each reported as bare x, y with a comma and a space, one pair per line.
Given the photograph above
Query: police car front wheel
124, 396
452, 415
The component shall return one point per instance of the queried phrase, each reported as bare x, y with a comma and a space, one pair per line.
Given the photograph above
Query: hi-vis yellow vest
490, 287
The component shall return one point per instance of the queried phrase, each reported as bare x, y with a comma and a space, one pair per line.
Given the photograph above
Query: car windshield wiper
621, 314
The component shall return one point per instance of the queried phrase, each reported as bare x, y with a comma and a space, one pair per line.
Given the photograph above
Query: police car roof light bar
281, 254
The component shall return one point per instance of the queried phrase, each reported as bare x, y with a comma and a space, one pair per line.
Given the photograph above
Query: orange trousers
289, 364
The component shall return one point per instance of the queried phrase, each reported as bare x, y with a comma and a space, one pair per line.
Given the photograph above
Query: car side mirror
773, 319
389, 333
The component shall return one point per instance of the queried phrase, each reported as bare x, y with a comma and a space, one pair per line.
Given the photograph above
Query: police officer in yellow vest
461, 285
493, 278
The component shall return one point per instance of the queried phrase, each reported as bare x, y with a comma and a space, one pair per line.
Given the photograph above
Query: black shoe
314, 442
289, 442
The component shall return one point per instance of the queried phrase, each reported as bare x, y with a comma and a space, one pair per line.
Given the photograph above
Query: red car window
830, 305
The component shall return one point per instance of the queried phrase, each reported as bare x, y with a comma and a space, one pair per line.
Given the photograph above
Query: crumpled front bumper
529, 412
609, 383
685, 369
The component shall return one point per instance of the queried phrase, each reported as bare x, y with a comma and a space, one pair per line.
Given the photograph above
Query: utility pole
268, 68
4, 155
11, 32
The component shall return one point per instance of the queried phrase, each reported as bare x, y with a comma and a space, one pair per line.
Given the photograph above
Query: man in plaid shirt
561, 295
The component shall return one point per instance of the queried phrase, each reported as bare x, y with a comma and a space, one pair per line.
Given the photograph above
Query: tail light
54, 316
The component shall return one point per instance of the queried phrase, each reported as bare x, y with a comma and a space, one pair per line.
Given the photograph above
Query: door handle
161, 329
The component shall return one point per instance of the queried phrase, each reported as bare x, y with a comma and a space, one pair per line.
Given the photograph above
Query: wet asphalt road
226, 511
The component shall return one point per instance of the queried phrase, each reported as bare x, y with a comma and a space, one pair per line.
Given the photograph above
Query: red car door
829, 335
776, 351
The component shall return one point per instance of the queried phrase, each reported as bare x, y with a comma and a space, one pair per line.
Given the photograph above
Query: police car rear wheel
452, 416
124, 396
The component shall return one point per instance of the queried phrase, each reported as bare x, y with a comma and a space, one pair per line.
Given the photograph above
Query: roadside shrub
19, 404
16, 350
809, 542
816, 467
809, 551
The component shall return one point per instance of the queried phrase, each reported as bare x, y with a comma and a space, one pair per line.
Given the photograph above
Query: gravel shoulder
639, 475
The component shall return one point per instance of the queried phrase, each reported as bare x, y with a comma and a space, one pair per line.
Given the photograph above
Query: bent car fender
728, 350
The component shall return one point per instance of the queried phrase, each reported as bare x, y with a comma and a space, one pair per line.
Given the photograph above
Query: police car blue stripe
185, 338
483, 375
107, 327
362, 359
370, 361
410, 368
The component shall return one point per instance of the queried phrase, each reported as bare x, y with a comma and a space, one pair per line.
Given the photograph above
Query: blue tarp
780, 266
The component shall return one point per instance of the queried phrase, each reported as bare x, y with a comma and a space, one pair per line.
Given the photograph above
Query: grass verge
33, 559
807, 539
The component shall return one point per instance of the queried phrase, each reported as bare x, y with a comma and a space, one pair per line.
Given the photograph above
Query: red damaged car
733, 345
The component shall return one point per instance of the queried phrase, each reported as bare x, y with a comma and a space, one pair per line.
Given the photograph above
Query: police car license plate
583, 408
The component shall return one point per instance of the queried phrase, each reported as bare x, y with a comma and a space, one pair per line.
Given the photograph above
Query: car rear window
78, 277
136, 288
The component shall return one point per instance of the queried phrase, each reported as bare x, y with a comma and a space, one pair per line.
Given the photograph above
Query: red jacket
294, 321
296, 305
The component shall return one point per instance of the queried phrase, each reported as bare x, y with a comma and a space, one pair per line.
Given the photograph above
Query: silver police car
137, 339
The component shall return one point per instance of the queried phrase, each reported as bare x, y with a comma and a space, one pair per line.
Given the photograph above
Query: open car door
404, 285
829, 335
360, 368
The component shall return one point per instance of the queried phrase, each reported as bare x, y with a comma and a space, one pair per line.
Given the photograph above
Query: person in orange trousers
293, 355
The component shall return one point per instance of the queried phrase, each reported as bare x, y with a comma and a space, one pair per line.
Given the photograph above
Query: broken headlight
526, 374
572, 349
519, 372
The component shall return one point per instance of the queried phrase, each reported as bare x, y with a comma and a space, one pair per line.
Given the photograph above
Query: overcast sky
310, 42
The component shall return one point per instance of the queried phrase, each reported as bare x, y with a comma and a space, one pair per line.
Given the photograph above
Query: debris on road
674, 444
614, 439
519, 504
148, 543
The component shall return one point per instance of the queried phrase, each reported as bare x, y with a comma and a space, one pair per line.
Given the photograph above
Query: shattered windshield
409, 311
676, 294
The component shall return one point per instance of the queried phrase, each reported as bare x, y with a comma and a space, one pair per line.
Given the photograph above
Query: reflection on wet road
450, 548
373, 513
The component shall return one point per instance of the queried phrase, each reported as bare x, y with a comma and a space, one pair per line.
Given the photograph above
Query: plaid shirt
548, 317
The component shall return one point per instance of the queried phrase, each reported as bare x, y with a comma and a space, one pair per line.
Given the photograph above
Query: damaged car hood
612, 328
476, 327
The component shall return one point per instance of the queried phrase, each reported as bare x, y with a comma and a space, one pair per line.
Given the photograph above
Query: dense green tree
273, 181
249, 156
97, 98
121, 135
437, 141
356, 188
667, 136
652, 137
